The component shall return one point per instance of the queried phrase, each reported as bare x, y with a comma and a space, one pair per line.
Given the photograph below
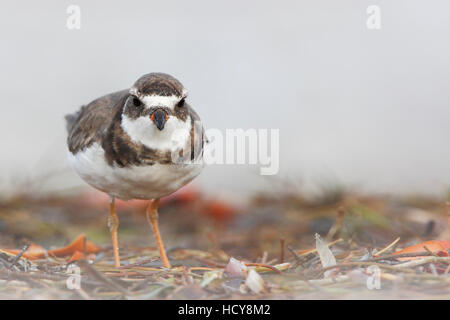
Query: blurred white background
364, 108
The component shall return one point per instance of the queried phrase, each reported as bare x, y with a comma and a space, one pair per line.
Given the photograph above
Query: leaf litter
285, 246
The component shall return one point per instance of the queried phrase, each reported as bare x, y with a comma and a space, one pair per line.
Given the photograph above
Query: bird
143, 143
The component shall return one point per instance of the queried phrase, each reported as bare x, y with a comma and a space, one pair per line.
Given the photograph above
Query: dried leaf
77, 255
281, 267
33, 252
436, 246
236, 268
209, 276
36, 251
76, 245
326, 256
218, 210
254, 282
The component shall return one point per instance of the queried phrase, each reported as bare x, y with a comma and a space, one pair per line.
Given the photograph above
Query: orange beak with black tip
159, 117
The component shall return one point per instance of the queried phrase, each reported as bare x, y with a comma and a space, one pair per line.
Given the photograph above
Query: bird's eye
181, 103
137, 102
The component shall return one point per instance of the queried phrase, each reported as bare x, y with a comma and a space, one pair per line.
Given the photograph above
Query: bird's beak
159, 117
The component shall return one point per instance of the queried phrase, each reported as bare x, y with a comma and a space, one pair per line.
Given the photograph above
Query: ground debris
382, 247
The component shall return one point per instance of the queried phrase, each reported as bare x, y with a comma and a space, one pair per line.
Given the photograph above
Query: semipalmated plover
141, 143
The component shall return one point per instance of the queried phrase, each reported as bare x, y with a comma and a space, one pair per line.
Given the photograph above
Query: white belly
134, 182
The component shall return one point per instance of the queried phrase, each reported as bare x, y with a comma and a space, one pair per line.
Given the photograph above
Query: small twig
418, 262
101, 277
251, 264
388, 247
315, 249
295, 254
401, 255
300, 259
430, 252
19, 255
189, 270
337, 224
282, 243
210, 262
138, 264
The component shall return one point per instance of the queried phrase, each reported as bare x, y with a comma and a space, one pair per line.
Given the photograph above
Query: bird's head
155, 108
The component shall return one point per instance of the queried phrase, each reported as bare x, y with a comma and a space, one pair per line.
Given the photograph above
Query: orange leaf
76, 245
184, 195
77, 255
436, 246
33, 252
218, 210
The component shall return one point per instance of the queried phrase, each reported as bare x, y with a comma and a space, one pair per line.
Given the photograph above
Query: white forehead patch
157, 100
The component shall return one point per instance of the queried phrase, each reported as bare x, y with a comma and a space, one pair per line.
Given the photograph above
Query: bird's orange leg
152, 217
113, 224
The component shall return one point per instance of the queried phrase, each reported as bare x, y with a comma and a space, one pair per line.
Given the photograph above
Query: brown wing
90, 124
198, 137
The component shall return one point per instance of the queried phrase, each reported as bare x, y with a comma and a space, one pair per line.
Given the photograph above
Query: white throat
175, 134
